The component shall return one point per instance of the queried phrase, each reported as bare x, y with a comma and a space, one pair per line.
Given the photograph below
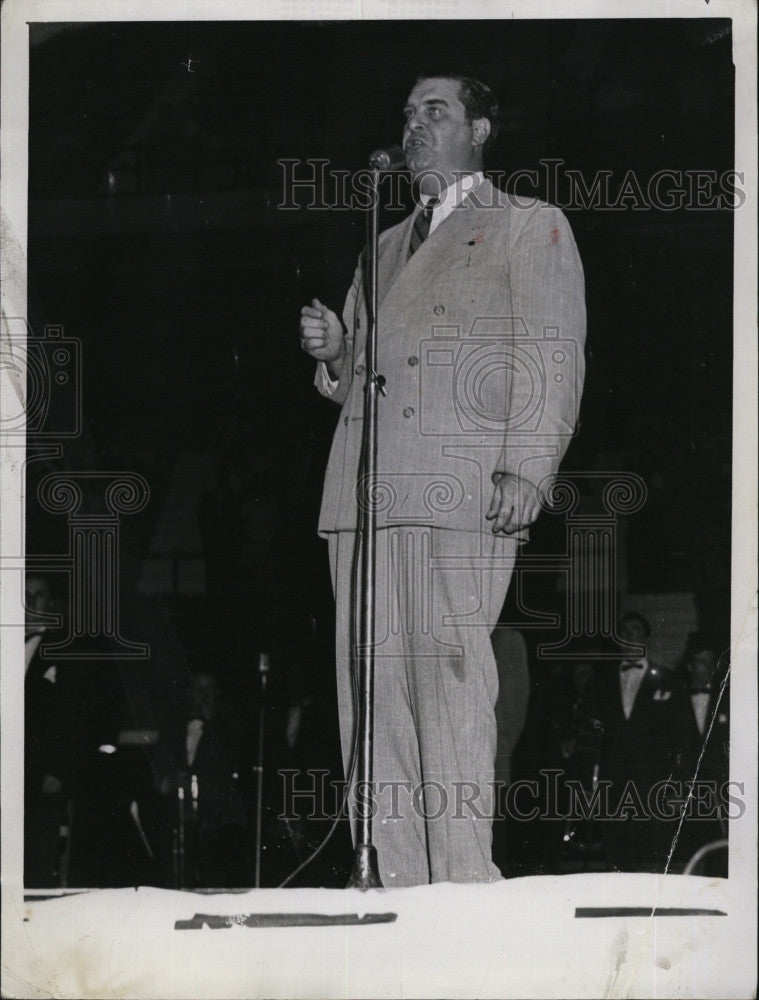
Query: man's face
701, 666
582, 674
633, 631
436, 134
37, 596
203, 695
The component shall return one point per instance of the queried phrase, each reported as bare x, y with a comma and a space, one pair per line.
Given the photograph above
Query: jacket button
408, 412
345, 421
358, 322
439, 310
359, 369
413, 360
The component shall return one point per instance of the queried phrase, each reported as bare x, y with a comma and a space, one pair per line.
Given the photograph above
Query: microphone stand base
365, 874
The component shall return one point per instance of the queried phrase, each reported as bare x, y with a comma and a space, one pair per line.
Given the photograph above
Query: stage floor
588, 935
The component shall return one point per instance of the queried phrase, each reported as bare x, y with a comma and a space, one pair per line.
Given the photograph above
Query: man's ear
480, 131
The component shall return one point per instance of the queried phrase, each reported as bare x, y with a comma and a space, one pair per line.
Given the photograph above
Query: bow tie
634, 665
706, 689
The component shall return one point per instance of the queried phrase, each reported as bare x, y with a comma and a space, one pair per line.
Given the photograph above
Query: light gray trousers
438, 597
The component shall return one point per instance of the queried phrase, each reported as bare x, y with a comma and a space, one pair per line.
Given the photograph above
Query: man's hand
515, 504
321, 335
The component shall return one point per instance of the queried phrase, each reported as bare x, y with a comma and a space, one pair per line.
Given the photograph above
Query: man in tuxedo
213, 759
480, 348
44, 732
639, 704
707, 739
704, 735
72, 710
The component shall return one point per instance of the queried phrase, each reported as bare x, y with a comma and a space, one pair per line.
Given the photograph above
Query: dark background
156, 239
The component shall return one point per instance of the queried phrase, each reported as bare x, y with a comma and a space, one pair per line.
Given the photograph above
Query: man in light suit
480, 339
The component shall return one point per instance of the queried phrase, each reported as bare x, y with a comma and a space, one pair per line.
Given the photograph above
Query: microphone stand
365, 874
263, 673
180, 854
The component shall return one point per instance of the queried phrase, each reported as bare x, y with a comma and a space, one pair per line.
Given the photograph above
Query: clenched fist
321, 335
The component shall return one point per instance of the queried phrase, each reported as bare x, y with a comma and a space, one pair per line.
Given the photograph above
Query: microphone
392, 158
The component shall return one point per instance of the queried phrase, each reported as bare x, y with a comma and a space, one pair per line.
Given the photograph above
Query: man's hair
478, 99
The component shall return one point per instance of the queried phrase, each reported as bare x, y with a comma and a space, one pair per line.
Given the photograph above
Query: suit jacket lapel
393, 254
710, 705
393, 250
404, 276
644, 695
615, 697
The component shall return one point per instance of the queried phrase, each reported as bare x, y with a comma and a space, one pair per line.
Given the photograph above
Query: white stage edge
516, 938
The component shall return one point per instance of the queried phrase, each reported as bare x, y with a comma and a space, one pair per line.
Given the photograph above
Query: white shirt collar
630, 682
453, 195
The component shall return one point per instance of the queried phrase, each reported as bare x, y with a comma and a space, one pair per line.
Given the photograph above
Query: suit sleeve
337, 391
548, 307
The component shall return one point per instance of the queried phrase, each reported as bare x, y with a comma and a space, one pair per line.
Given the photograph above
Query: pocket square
660, 695
51, 674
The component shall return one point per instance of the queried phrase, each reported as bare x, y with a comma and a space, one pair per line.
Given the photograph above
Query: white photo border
16, 17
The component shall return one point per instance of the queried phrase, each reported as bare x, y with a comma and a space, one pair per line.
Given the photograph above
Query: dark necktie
421, 229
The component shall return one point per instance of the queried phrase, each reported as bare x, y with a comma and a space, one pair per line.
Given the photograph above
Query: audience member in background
44, 731
564, 715
38, 601
205, 791
72, 709
569, 748
707, 742
639, 704
580, 745
704, 735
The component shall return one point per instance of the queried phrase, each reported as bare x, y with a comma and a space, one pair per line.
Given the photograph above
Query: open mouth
412, 145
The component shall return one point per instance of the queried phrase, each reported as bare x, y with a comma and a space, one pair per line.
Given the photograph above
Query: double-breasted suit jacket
480, 342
